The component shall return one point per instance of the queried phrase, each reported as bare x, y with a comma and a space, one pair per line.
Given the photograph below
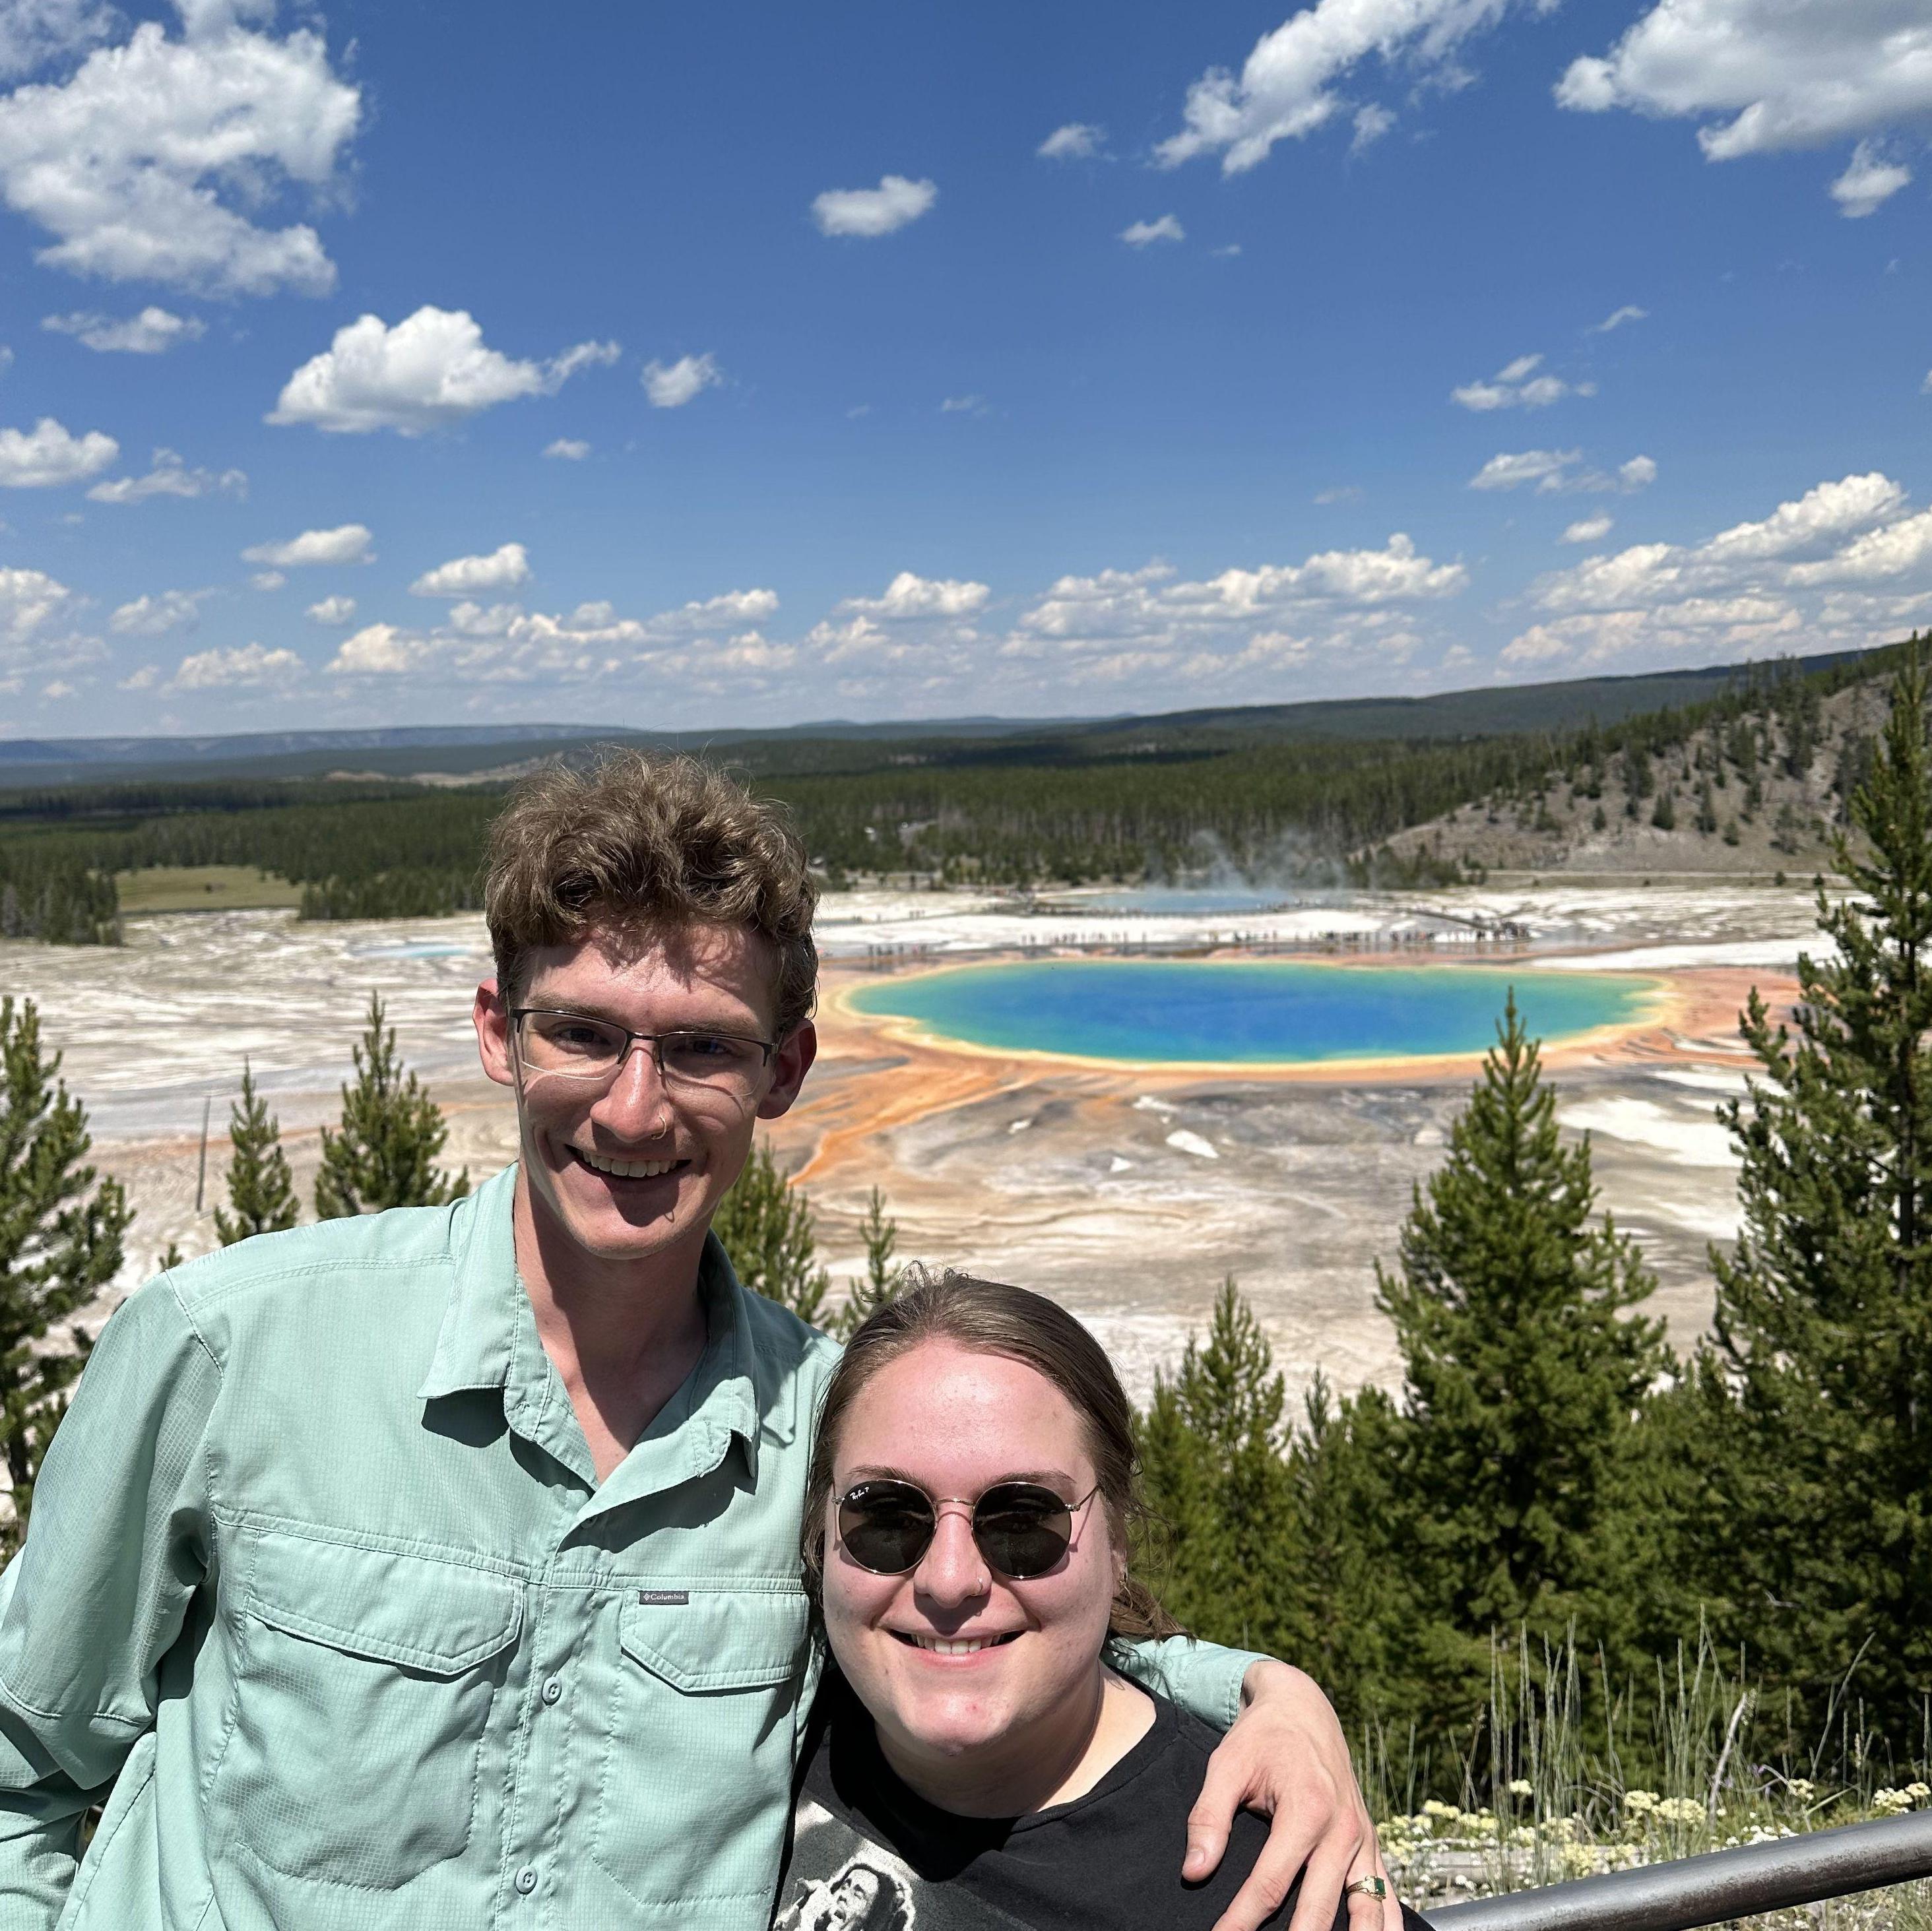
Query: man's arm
1285, 1756
97, 1595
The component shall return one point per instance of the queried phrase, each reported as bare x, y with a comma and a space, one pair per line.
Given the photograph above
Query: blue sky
413, 364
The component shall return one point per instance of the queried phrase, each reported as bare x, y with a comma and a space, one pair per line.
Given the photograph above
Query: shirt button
552, 1691
526, 1879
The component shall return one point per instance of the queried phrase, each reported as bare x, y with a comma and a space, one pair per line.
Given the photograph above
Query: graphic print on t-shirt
840, 1881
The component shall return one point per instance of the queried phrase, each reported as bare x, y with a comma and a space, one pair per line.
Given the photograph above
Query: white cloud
873, 211
1589, 529
168, 477
47, 455
1746, 589
144, 678
1167, 228
1289, 85
379, 649
30, 600
243, 665
57, 689
972, 405
1617, 317
155, 616
503, 569
33, 32
431, 370
1869, 181
1518, 386
671, 385
1769, 75
268, 580
148, 163
911, 595
1554, 470
150, 333
1078, 140
333, 611
348, 543
1371, 123
568, 449
1340, 493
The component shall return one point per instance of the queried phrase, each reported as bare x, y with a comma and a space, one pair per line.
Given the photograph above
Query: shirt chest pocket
363, 1683
696, 1765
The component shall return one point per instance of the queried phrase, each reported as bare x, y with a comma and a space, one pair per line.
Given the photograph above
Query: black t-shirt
869, 1853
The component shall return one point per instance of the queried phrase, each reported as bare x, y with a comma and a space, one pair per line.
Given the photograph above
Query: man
439, 1569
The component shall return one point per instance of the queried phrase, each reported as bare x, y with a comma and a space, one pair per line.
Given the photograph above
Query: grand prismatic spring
1247, 1013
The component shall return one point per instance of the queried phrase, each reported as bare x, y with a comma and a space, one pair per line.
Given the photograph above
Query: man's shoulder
266, 1267
784, 1342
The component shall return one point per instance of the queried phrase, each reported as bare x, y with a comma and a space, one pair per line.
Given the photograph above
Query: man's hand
1287, 1758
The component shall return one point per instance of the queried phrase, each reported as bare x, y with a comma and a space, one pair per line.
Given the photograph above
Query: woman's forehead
941, 1401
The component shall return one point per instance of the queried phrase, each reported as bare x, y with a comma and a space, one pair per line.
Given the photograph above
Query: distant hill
455, 752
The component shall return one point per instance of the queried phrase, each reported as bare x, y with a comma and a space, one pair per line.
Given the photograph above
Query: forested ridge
1039, 806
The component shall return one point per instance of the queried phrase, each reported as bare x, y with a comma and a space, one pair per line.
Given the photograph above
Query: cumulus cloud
153, 160
155, 616
1747, 588
1372, 122
503, 569
872, 212
333, 611
670, 385
1764, 76
968, 405
909, 595
1518, 386
33, 32
380, 649
243, 665
30, 600
47, 455
1869, 181
1167, 228
168, 476
1291, 84
347, 543
1588, 529
268, 580
1551, 471
432, 369
1617, 317
1078, 140
568, 449
152, 332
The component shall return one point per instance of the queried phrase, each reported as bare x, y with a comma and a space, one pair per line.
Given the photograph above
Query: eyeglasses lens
580, 1047
1022, 1528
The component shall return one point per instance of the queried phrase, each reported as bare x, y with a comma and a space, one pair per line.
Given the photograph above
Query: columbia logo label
665, 1598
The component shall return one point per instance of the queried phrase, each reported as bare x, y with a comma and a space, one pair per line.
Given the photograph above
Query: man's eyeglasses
574, 1046
1022, 1529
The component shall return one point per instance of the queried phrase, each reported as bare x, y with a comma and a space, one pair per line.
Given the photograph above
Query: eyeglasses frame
1074, 1512
518, 1014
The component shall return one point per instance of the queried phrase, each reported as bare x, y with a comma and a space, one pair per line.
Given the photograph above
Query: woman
973, 1760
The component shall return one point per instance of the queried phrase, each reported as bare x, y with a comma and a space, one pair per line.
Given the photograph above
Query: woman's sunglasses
1022, 1529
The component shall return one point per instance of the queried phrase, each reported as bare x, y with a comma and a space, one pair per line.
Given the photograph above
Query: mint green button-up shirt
323, 1597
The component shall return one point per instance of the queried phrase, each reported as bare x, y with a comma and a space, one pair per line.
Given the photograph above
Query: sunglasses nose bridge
952, 1570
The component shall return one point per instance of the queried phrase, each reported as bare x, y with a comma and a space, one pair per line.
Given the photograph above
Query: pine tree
1820, 1386
1212, 1448
391, 1132
880, 1234
1524, 1366
766, 1226
260, 1188
60, 1245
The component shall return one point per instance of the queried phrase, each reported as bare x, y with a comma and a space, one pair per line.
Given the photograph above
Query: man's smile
613, 1169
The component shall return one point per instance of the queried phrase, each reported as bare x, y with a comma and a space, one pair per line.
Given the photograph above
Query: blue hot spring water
1258, 1013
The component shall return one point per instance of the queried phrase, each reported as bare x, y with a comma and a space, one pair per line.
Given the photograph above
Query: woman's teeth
956, 1645
624, 1169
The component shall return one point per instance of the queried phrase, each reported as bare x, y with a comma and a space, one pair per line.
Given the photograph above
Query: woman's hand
1286, 1758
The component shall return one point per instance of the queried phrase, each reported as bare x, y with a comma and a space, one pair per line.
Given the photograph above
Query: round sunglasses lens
1022, 1529
886, 1527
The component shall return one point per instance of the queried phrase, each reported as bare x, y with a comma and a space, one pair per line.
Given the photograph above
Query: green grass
202, 888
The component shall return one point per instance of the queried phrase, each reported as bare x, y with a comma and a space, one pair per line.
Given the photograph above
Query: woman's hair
647, 845
989, 1317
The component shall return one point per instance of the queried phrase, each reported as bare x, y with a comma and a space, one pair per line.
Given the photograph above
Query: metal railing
1689, 1892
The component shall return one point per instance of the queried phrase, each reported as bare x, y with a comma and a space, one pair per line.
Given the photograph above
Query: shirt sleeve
115, 1548
1204, 1678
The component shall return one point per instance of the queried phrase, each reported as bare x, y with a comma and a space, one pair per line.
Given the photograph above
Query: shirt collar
489, 1321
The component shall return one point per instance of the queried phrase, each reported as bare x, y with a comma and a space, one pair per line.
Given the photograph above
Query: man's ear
789, 1064
491, 1017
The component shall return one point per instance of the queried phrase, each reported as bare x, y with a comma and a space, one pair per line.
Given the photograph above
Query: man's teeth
958, 1645
625, 1170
